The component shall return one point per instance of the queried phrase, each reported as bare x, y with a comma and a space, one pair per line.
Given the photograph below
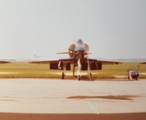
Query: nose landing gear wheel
79, 78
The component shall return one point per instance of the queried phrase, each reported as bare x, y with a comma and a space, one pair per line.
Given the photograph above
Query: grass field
26, 70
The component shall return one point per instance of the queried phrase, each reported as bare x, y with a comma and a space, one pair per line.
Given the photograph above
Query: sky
113, 29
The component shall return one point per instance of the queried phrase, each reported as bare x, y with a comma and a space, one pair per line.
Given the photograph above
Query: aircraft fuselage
78, 50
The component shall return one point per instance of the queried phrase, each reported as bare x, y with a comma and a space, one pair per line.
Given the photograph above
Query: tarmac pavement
72, 96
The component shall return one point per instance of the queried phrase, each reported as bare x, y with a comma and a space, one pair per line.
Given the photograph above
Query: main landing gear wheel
63, 75
90, 76
79, 77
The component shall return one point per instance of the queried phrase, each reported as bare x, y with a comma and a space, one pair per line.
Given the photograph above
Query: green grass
110, 71
26, 70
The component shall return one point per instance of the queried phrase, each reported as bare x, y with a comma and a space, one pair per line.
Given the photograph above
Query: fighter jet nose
79, 48
80, 45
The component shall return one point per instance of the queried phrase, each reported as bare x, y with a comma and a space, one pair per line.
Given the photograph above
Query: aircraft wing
94, 63
109, 62
105, 62
54, 63
69, 60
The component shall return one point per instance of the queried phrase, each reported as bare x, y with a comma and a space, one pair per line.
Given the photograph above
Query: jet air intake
79, 46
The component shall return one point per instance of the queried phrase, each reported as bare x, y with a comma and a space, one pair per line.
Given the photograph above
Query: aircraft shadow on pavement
112, 97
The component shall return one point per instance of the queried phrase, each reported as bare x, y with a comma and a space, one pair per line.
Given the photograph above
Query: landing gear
79, 77
64, 70
63, 75
90, 76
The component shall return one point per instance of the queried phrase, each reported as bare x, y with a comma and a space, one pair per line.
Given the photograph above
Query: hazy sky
111, 28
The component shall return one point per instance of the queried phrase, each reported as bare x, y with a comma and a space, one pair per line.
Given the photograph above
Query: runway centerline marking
91, 106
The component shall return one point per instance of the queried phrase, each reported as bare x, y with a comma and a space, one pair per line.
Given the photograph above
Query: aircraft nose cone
80, 47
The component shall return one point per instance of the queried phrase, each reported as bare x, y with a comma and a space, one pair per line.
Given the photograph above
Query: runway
56, 96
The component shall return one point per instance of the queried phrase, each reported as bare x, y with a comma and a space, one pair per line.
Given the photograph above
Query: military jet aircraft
78, 57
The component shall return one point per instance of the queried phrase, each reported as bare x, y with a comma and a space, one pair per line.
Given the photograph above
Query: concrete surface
72, 96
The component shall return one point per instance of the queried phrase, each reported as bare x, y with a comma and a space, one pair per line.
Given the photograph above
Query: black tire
62, 75
79, 78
